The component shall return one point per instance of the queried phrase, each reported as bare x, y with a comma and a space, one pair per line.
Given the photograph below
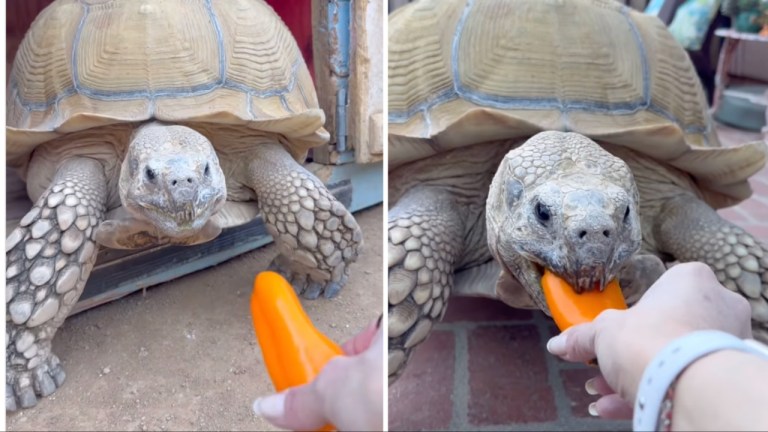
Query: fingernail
589, 386
556, 345
593, 409
272, 406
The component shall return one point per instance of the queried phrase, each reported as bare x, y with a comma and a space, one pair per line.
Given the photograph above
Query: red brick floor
485, 366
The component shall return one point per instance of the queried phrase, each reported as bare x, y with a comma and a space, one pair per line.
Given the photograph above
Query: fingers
298, 408
598, 386
361, 341
577, 344
611, 407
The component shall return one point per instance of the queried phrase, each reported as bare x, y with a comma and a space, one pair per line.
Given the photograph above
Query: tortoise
570, 136
139, 123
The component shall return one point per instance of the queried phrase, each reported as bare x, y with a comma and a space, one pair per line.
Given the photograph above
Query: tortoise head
562, 202
171, 178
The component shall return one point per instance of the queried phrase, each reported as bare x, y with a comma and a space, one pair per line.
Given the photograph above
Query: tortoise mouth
180, 221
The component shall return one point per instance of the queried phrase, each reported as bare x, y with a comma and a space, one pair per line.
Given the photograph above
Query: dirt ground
184, 356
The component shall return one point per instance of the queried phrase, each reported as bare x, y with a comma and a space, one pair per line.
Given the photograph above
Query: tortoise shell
468, 71
91, 63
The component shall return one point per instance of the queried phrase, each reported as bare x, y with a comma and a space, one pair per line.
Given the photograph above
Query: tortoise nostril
582, 234
606, 233
173, 183
189, 180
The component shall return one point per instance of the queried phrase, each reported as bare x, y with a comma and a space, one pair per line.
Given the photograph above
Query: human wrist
668, 365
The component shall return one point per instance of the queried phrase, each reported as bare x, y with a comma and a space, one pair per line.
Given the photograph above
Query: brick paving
485, 366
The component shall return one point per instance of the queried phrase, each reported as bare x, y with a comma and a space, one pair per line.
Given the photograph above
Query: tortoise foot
304, 284
23, 387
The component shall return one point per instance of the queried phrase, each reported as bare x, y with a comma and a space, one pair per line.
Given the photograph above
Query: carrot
294, 349
569, 308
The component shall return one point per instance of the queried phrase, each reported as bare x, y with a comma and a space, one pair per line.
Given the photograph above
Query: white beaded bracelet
669, 363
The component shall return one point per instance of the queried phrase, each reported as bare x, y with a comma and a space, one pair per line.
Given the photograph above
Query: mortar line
562, 407
471, 325
460, 396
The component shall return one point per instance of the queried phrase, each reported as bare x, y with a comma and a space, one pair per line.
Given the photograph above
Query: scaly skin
49, 257
318, 238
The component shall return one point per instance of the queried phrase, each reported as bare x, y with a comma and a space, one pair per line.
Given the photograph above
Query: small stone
106, 371
424, 276
301, 192
417, 231
305, 219
40, 228
44, 312
12, 270
40, 294
41, 271
404, 223
322, 215
437, 308
292, 228
740, 250
81, 210
34, 362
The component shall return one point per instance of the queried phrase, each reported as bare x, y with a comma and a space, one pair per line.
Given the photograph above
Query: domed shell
466, 71
91, 63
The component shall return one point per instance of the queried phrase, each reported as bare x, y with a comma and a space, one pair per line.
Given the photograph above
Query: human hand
685, 298
347, 392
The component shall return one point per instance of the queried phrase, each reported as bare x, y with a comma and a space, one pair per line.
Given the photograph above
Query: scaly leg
690, 230
49, 257
318, 238
425, 240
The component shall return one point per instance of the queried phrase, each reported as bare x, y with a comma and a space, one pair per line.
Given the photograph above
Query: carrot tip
569, 308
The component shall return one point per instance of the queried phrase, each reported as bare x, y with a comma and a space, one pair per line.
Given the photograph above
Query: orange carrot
294, 349
569, 308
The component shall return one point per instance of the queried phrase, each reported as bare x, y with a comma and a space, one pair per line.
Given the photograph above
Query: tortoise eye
150, 174
542, 213
626, 215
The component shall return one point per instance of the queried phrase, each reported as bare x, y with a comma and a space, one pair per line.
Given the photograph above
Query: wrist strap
671, 361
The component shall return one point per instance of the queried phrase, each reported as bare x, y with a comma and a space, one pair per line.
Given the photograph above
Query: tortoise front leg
426, 233
690, 230
49, 257
318, 238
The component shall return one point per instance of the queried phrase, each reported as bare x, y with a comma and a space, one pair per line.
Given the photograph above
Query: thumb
298, 408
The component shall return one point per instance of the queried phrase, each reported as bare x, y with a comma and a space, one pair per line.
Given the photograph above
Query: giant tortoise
139, 123
568, 135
